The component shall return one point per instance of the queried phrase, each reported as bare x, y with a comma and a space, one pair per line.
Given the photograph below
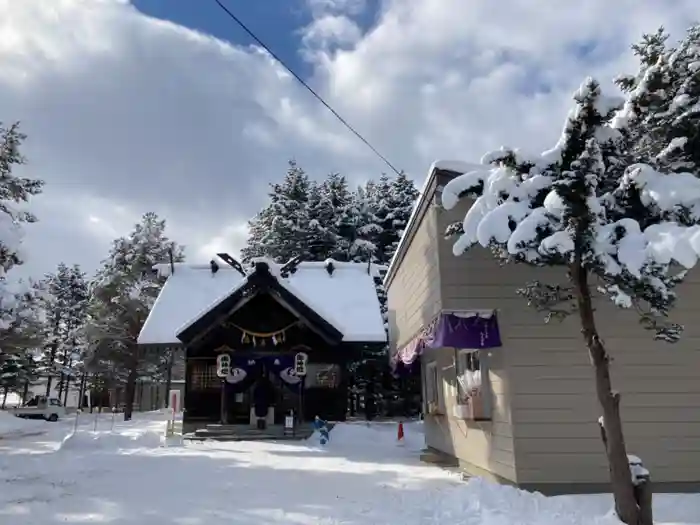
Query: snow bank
89, 440
12, 426
361, 476
373, 436
480, 502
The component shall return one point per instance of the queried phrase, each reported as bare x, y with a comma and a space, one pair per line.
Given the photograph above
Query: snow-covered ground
122, 475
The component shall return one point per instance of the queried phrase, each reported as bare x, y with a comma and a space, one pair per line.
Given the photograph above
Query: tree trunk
626, 505
61, 384
65, 390
81, 392
94, 389
66, 385
66, 382
4, 397
130, 392
48, 385
25, 391
52, 358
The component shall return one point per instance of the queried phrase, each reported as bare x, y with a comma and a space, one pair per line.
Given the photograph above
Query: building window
434, 393
203, 377
473, 383
320, 375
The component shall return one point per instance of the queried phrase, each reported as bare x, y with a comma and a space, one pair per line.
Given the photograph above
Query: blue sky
275, 22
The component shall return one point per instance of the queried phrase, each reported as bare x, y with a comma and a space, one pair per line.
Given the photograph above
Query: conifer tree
377, 195
21, 342
14, 191
122, 296
65, 308
391, 201
281, 231
355, 227
322, 231
610, 223
401, 200
663, 104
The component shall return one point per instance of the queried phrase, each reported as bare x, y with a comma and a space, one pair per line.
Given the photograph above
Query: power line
303, 83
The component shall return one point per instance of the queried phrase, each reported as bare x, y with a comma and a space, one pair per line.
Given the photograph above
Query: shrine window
203, 377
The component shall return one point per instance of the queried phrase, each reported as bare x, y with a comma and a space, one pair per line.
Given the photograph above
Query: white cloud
128, 112
351, 7
230, 240
330, 30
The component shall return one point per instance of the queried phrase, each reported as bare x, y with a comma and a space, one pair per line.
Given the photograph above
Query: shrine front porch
218, 432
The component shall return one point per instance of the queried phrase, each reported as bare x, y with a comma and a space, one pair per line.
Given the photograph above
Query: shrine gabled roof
346, 299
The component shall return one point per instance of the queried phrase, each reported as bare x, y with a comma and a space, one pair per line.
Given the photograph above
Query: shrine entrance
246, 374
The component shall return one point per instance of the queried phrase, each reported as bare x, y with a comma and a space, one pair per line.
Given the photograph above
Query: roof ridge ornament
233, 263
291, 266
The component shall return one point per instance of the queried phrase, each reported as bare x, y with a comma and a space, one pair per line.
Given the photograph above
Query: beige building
532, 419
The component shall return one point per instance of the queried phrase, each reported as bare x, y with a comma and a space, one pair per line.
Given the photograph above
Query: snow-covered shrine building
524, 409
262, 317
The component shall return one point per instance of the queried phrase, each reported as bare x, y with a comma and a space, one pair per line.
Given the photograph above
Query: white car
41, 407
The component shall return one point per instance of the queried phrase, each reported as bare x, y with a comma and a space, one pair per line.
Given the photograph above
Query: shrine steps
217, 432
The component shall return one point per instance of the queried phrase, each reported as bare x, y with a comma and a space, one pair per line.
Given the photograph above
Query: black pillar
224, 408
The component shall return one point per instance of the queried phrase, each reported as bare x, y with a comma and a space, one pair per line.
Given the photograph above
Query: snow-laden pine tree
258, 230
122, 296
663, 105
24, 320
15, 193
336, 190
281, 230
336, 198
377, 196
391, 201
11, 372
609, 223
355, 227
21, 343
322, 231
65, 308
401, 200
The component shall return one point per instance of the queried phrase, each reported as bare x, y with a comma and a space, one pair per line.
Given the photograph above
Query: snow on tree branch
587, 202
15, 193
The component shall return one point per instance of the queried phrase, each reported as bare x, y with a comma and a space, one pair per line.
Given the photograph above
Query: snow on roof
190, 290
347, 299
456, 166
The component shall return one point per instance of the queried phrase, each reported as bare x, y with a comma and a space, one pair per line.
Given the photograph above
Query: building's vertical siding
413, 296
466, 283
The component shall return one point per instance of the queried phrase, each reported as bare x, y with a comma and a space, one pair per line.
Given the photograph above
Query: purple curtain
283, 367
451, 330
461, 331
244, 372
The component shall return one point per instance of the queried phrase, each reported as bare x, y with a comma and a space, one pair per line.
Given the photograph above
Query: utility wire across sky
306, 86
